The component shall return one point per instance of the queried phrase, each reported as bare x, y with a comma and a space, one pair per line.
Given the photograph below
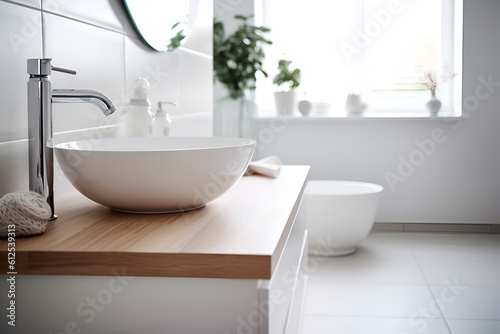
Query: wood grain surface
239, 235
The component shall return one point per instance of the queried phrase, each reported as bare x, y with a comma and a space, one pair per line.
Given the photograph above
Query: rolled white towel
27, 210
270, 166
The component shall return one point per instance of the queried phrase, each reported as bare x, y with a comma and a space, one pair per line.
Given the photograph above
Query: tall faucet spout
40, 99
84, 95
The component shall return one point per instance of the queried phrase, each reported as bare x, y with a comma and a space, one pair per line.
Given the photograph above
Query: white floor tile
386, 286
372, 325
481, 272
449, 246
468, 302
383, 258
369, 300
389, 244
474, 326
365, 267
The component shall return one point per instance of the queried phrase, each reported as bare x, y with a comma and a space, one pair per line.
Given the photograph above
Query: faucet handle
64, 70
43, 67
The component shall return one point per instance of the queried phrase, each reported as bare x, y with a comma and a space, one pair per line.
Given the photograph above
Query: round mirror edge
142, 37
193, 9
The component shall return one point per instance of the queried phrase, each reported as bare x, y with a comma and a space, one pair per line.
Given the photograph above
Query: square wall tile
199, 124
13, 166
200, 38
21, 39
14, 175
106, 14
98, 57
195, 82
32, 3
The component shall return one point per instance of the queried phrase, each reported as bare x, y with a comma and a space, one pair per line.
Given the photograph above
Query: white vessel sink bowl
155, 174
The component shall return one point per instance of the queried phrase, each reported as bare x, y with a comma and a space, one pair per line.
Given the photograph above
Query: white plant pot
285, 103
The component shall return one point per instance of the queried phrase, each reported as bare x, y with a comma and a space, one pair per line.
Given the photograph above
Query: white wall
459, 181
96, 38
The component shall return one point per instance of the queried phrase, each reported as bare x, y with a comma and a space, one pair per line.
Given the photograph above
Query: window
378, 48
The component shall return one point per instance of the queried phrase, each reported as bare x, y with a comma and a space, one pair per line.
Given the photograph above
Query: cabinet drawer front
276, 294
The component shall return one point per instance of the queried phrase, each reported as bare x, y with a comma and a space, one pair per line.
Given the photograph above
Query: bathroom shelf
240, 235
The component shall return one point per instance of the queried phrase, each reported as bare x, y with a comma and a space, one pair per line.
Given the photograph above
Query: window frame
413, 105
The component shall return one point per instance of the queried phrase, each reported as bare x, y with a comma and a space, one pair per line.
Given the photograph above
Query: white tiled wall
97, 39
21, 38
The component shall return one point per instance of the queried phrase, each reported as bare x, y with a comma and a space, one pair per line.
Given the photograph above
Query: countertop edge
37, 257
133, 264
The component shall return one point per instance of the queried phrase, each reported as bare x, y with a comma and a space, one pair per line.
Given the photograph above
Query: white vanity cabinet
231, 267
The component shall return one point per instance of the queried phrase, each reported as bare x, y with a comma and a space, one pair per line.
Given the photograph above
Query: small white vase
433, 105
285, 103
305, 107
354, 105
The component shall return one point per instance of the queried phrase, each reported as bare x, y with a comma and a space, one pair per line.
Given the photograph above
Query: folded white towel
270, 166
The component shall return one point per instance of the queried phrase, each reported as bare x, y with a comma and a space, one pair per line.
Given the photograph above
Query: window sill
367, 116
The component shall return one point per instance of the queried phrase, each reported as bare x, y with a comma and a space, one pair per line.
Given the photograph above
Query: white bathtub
339, 215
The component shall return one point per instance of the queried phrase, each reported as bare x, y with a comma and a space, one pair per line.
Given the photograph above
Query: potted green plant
237, 59
239, 56
287, 79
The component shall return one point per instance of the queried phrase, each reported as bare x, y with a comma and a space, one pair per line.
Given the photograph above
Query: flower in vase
430, 81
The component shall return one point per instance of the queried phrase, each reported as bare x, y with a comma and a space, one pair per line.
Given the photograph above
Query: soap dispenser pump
138, 121
162, 120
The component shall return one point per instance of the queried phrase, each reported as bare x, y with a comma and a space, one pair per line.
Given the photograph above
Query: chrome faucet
40, 99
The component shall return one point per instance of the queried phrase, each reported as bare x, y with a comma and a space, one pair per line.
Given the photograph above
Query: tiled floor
407, 283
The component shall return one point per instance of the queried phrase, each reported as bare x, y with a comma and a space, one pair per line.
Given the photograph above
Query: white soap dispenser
138, 121
162, 121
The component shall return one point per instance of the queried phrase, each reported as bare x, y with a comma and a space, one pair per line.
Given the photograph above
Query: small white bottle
138, 121
162, 120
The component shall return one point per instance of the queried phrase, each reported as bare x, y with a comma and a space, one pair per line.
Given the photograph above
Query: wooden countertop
239, 235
